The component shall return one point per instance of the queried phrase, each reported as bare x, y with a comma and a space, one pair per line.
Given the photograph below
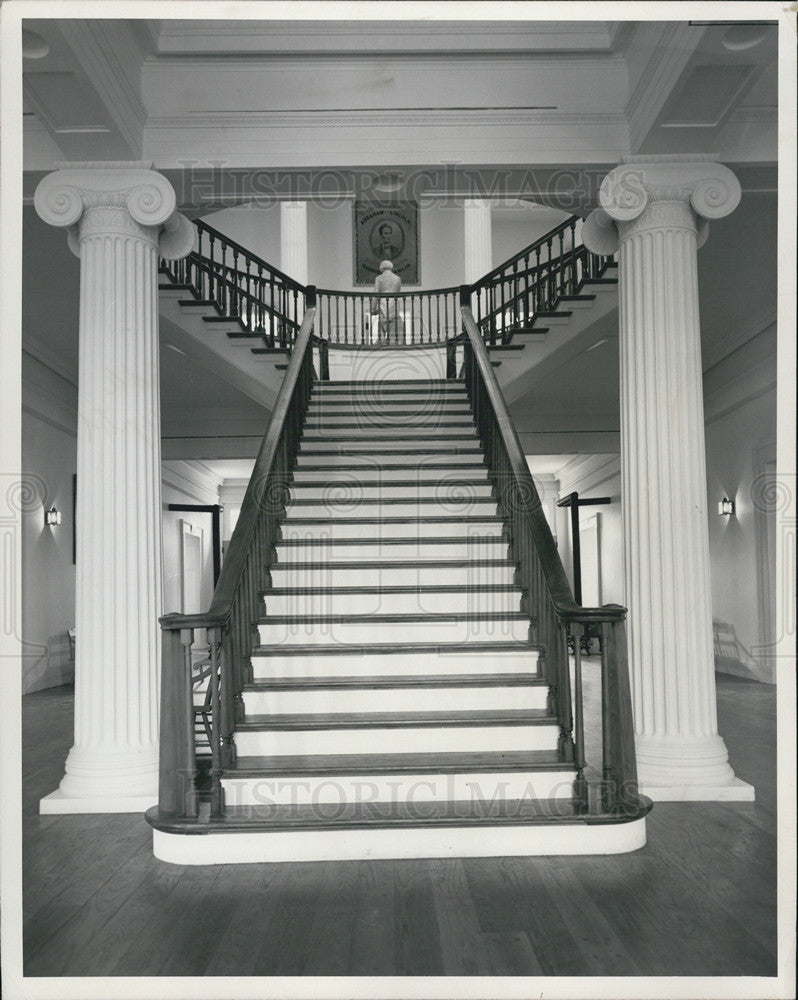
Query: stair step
366, 442
357, 429
348, 505
352, 487
328, 662
344, 409
474, 827
384, 574
501, 598
401, 549
350, 458
426, 472
336, 779
369, 694
356, 630
408, 528
396, 732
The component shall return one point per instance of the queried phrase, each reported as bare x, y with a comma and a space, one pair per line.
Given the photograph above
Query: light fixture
52, 516
726, 506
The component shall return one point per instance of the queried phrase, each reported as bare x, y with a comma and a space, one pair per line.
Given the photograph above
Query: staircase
389, 674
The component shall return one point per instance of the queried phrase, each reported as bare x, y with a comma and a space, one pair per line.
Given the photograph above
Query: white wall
49, 454
740, 406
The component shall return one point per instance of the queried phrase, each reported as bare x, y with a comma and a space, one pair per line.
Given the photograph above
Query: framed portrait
386, 232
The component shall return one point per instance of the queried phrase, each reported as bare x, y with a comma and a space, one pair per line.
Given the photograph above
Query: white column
655, 212
477, 238
118, 216
294, 240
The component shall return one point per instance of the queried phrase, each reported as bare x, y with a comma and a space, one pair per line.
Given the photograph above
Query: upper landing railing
510, 298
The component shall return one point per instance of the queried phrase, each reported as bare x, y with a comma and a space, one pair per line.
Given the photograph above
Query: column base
733, 791
684, 769
58, 803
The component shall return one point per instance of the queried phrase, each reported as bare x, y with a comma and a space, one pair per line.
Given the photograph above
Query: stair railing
405, 318
548, 598
241, 285
235, 606
534, 282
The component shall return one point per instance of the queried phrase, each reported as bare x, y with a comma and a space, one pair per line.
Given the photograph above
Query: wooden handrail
557, 581
488, 278
549, 601
203, 226
229, 620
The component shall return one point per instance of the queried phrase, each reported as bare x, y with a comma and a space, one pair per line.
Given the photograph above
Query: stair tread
389, 501
399, 681
448, 763
425, 466
448, 483
395, 564
396, 720
428, 519
409, 540
401, 648
397, 617
431, 588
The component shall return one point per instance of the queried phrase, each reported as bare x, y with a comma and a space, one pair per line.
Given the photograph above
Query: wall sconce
52, 516
726, 506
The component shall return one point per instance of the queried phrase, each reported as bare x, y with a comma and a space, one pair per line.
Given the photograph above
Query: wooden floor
699, 899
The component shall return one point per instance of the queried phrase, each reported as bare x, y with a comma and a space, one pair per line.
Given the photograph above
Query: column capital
130, 189
660, 191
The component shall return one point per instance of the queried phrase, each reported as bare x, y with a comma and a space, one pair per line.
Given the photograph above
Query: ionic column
118, 217
477, 238
655, 212
294, 240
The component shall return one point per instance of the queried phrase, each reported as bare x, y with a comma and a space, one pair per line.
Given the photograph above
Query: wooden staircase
388, 672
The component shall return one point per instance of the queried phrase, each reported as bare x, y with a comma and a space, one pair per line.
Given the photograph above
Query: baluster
580, 782
235, 305
190, 808
217, 791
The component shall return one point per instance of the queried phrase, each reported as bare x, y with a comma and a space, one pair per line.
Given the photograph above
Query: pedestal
655, 213
118, 217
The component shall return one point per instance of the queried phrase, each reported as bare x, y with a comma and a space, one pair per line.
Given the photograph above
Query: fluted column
294, 240
655, 212
118, 217
477, 238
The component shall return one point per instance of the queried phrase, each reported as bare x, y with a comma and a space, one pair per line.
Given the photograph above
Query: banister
557, 581
259, 261
221, 604
539, 242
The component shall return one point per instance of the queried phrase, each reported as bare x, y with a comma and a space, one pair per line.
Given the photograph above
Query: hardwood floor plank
417, 948
328, 939
372, 951
510, 953
281, 942
462, 949
238, 943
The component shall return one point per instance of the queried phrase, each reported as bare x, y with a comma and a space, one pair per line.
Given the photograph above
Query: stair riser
407, 739
351, 490
407, 530
335, 790
309, 665
387, 411
370, 428
301, 633
454, 699
366, 443
348, 506
412, 551
407, 576
366, 420
420, 603
482, 840
419, 478
378, 463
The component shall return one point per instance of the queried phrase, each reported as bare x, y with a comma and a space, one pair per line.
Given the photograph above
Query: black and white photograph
398, 499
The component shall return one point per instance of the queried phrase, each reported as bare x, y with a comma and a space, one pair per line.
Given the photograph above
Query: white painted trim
478, 841
59, 804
